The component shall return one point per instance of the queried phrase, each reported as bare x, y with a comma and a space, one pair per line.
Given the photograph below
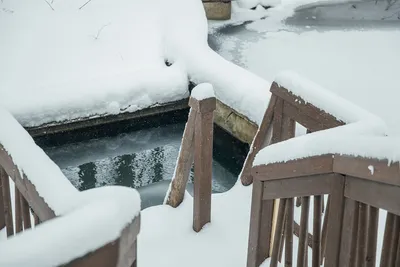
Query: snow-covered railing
297, 100
360, 173
96, 227
197, 146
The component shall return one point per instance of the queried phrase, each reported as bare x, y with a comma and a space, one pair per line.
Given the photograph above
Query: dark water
143, 159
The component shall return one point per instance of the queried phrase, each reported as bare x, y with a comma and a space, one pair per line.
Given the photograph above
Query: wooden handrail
46, 192
287, 106
197, 147
356, 194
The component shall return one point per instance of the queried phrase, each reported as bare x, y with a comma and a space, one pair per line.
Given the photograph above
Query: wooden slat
353, 248
394, 241
316, 231
5, 182
36, 218
258, 142
203, 143
335, 220
2, 214
303, 248
383, 171
295, 168
301, 186
278, 238
387, 240
308, 109
362, 235
297, 115
26, 215
18, 211
324, 232
184, 163
372, 236
350, 218
373, 193
260, 226
289, 233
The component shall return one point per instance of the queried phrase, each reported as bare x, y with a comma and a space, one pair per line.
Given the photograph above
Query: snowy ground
359, 63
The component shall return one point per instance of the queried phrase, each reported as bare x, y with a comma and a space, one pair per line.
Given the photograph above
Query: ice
371, 169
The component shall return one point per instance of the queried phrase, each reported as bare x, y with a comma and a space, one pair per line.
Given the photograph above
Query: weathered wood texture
184, 163
197, 147
349, 231
119, 253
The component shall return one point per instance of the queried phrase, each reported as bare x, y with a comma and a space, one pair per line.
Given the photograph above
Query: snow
363, 139
114, 206
203, 91
111, 59
371, 169
77, 232
324, 99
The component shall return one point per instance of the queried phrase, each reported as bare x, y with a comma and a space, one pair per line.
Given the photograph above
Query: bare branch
99, 31
49, 5
85, 4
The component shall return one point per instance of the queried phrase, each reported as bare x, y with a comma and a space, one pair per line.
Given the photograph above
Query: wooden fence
120, 252
197, 146
356, 195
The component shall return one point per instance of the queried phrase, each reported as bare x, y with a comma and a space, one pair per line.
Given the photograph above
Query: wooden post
258, 142
5, 182
18, 213
260, 226
335, 221
26, 215
2, 214
203, 148
183, 164
316, 248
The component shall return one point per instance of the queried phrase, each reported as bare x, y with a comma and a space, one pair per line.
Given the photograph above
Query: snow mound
203, 91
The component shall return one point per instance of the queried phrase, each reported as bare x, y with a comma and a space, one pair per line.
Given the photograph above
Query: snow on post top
203, 91
324, 99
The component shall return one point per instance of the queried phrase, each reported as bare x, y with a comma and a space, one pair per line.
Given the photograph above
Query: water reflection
134, 159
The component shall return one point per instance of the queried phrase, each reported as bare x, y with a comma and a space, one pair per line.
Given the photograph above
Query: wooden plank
26, 215
18, 211
317, 231
387, 240
324, 231
260, 226
301, 186
350, 218
203, 148
394, 240
86, 122
372, 236
383, 172
373, 193
2, 214
335, 220
5, 183
278, 235
259, 139
303, 248
25, 187
295, 168
297, 115
308, 109
289, 233
362, 235
184, 163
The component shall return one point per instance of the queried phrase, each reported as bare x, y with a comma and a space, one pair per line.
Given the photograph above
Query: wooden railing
356, 195
68, 216
285, 109
197, 147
